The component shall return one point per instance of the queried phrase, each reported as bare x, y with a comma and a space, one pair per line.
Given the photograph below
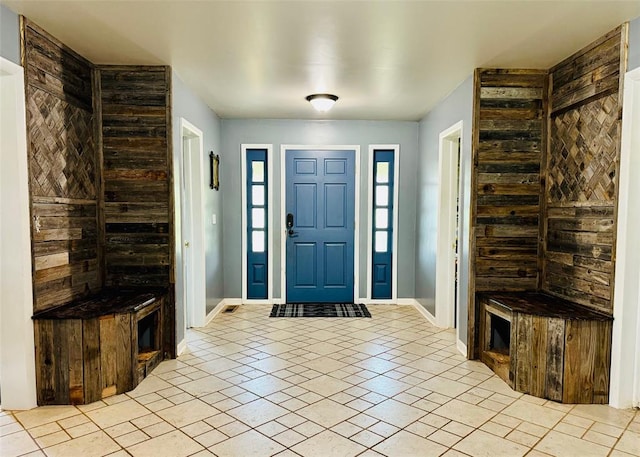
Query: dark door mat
320, 310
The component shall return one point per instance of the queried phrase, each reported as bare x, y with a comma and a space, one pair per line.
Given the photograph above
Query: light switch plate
214, 219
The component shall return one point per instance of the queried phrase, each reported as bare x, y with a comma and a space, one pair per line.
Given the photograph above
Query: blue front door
320, 219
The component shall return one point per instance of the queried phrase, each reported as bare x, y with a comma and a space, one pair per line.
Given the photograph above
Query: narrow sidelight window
257, 227
383, 192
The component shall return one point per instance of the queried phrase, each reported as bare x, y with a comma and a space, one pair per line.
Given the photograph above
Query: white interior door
447, 284
193, 247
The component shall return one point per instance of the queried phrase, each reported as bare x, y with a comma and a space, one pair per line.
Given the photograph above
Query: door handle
289, 224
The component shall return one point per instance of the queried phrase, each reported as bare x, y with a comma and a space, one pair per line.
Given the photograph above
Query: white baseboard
182, 345
407, 302
427, 315
218, 309
462, 348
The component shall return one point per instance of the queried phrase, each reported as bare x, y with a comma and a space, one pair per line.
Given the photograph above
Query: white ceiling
384, 59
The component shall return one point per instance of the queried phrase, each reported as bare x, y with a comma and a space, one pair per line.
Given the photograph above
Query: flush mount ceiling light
322, 102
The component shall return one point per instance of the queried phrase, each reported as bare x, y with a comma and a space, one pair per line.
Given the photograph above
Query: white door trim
625, 361
270, 253
17, 355
283, 205
194, 286
394, 252
447, 294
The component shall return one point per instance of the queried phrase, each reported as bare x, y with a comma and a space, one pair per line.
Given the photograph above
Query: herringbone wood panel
582, 162
62, 149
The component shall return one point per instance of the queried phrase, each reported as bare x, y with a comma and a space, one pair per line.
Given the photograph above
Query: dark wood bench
98, 346
546, 346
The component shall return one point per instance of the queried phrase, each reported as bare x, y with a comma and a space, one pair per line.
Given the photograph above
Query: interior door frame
283, 206
17, 350
625, 364
270, 227
192, 178
449, 190
396, 199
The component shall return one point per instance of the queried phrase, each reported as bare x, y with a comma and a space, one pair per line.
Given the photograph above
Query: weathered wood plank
555, 359
538, 357
108, 353
524, 93
124, 352
602, 363
524, 335
92, 357
45, 362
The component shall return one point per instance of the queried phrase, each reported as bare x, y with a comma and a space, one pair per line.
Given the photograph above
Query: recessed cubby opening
500, 334
149, 342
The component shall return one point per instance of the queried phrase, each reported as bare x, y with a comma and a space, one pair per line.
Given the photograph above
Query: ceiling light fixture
322, 102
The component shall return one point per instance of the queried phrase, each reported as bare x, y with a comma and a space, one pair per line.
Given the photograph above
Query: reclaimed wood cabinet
546, 346
99, 346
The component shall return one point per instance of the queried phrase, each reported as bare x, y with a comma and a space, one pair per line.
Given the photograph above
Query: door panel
257, 210
320, 194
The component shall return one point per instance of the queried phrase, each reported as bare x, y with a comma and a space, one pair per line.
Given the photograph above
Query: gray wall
309, 132
458, 106
634, 44
188, 105
9, 35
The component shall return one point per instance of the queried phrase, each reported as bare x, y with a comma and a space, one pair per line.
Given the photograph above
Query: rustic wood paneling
136, 175
582, 173
135, 106
63, 169
508, 141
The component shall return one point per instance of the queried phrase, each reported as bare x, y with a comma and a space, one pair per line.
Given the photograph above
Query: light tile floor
393, 385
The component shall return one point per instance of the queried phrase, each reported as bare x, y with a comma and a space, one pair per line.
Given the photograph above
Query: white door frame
394, 249
270, 208
17, 355
192, 223
625, 361
447, 294
283, 206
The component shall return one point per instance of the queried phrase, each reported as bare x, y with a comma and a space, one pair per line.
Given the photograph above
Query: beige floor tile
445, 438
265, 385
289, 438
405, 444
42, 430
210, 438
346, 429
327, 413
603, 413
324, 364
569, 429
445, 386
629, 442
249, 444
52, 439
149, 385
560, 445
204, 386
325, 385
328, 444
131, 438
173, 444
11, 428
385, 386
44, 415
533, 413
308, 429
395, 413
465, 413
95, 444
257, 412
118, 413
483, 444
18, 443
187, 413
